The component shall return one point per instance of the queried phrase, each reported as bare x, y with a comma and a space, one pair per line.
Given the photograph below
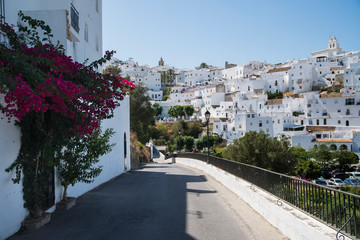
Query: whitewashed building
77, 25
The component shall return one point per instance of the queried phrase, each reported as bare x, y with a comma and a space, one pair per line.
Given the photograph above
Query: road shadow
149, 203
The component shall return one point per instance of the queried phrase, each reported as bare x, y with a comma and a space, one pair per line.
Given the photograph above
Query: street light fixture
207, 116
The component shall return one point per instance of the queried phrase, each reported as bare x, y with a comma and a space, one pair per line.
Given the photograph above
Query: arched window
333, 147
347, 123
343, 147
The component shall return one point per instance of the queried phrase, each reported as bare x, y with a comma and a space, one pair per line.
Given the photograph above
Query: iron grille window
75, 18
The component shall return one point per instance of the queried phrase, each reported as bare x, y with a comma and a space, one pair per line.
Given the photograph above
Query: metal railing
338, 209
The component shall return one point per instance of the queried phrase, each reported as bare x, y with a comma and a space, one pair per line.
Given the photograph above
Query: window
347, 112
339, 121
343, 147
350, 101
74, 18
86, 33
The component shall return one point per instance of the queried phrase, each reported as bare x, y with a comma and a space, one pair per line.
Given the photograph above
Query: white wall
49, 11
12, 211
11, 196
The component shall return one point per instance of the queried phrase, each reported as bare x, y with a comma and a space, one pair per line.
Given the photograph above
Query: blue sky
188, 32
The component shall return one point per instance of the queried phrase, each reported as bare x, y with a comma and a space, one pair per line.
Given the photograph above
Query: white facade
80, 42
11, 195
352, 78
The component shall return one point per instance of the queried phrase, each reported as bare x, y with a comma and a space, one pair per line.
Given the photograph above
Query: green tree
188, 110
299, 153
345, 158
194, 129
308, 169
158, 109
176, 111
113, 70
166, 93
276, 95
168, 76
203, 65
189, 143
179, 142
76, 162
199, 144
142, 114
260, 150
322, 154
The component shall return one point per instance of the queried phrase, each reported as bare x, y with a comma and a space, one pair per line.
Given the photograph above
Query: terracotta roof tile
274, 102
333, 140
273, 70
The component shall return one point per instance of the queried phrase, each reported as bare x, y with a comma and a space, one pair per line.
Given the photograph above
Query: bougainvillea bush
52, 98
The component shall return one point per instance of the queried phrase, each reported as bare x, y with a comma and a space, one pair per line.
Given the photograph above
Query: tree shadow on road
149, 203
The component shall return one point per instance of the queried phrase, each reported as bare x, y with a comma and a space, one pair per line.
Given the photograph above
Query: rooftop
273, 70
331, 95
320, 128
333, 140
325, 50
274, 102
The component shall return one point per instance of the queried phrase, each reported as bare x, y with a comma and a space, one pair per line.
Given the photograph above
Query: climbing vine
52, 98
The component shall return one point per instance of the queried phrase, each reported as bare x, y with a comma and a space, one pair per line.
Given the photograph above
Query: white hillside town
320, 96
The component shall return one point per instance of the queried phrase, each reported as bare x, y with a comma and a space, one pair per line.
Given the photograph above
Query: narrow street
159, 201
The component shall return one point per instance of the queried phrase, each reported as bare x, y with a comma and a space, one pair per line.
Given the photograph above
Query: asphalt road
159, 201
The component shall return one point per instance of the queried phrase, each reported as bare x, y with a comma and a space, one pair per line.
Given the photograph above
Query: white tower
333, 43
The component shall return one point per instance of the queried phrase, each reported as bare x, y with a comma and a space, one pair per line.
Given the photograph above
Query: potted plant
76, 161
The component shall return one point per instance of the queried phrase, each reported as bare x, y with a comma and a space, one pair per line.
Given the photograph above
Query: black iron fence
338, 209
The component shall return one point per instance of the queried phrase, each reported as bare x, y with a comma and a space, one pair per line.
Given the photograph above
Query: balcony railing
336, 208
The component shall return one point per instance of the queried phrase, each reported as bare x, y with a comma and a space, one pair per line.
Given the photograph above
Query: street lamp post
179, 141
207, 116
